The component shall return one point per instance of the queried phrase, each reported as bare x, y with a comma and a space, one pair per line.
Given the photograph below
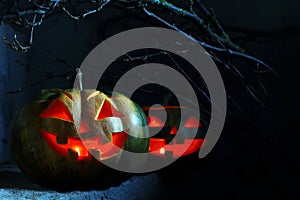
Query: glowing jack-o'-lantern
56, 143
185, 144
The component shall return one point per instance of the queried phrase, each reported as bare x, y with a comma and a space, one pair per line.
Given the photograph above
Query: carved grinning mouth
160, 144
86, 148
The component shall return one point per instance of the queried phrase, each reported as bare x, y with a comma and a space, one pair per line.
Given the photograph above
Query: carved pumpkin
160, 143
52, 139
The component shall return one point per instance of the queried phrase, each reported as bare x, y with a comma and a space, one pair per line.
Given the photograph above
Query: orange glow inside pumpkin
154, 121
84, 127
81, 147
159, 147
108, 110
173, 130
192, 122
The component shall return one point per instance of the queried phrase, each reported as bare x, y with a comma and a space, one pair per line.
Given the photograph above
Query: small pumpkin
56, 144
161, 143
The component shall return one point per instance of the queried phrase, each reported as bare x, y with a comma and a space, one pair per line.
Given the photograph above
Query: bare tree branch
48, 77
30, 14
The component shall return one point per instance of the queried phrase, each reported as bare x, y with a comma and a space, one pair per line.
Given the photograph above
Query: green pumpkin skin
44, 165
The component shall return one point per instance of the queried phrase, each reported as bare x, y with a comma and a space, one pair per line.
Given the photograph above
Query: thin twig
218, 49
49, 77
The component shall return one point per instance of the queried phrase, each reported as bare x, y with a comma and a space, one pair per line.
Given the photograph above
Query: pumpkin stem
78, 79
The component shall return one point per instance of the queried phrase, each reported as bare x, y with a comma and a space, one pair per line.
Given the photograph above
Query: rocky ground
14, 185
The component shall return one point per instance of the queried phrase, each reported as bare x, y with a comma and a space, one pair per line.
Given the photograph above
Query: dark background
257, 154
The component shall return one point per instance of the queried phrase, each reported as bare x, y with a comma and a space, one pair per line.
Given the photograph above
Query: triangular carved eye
57, 109
154, 121
192, 122
107, 110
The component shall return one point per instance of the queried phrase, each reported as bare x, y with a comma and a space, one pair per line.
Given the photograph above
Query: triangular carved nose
84, 127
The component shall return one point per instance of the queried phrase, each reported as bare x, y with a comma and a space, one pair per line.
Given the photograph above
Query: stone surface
14, 185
